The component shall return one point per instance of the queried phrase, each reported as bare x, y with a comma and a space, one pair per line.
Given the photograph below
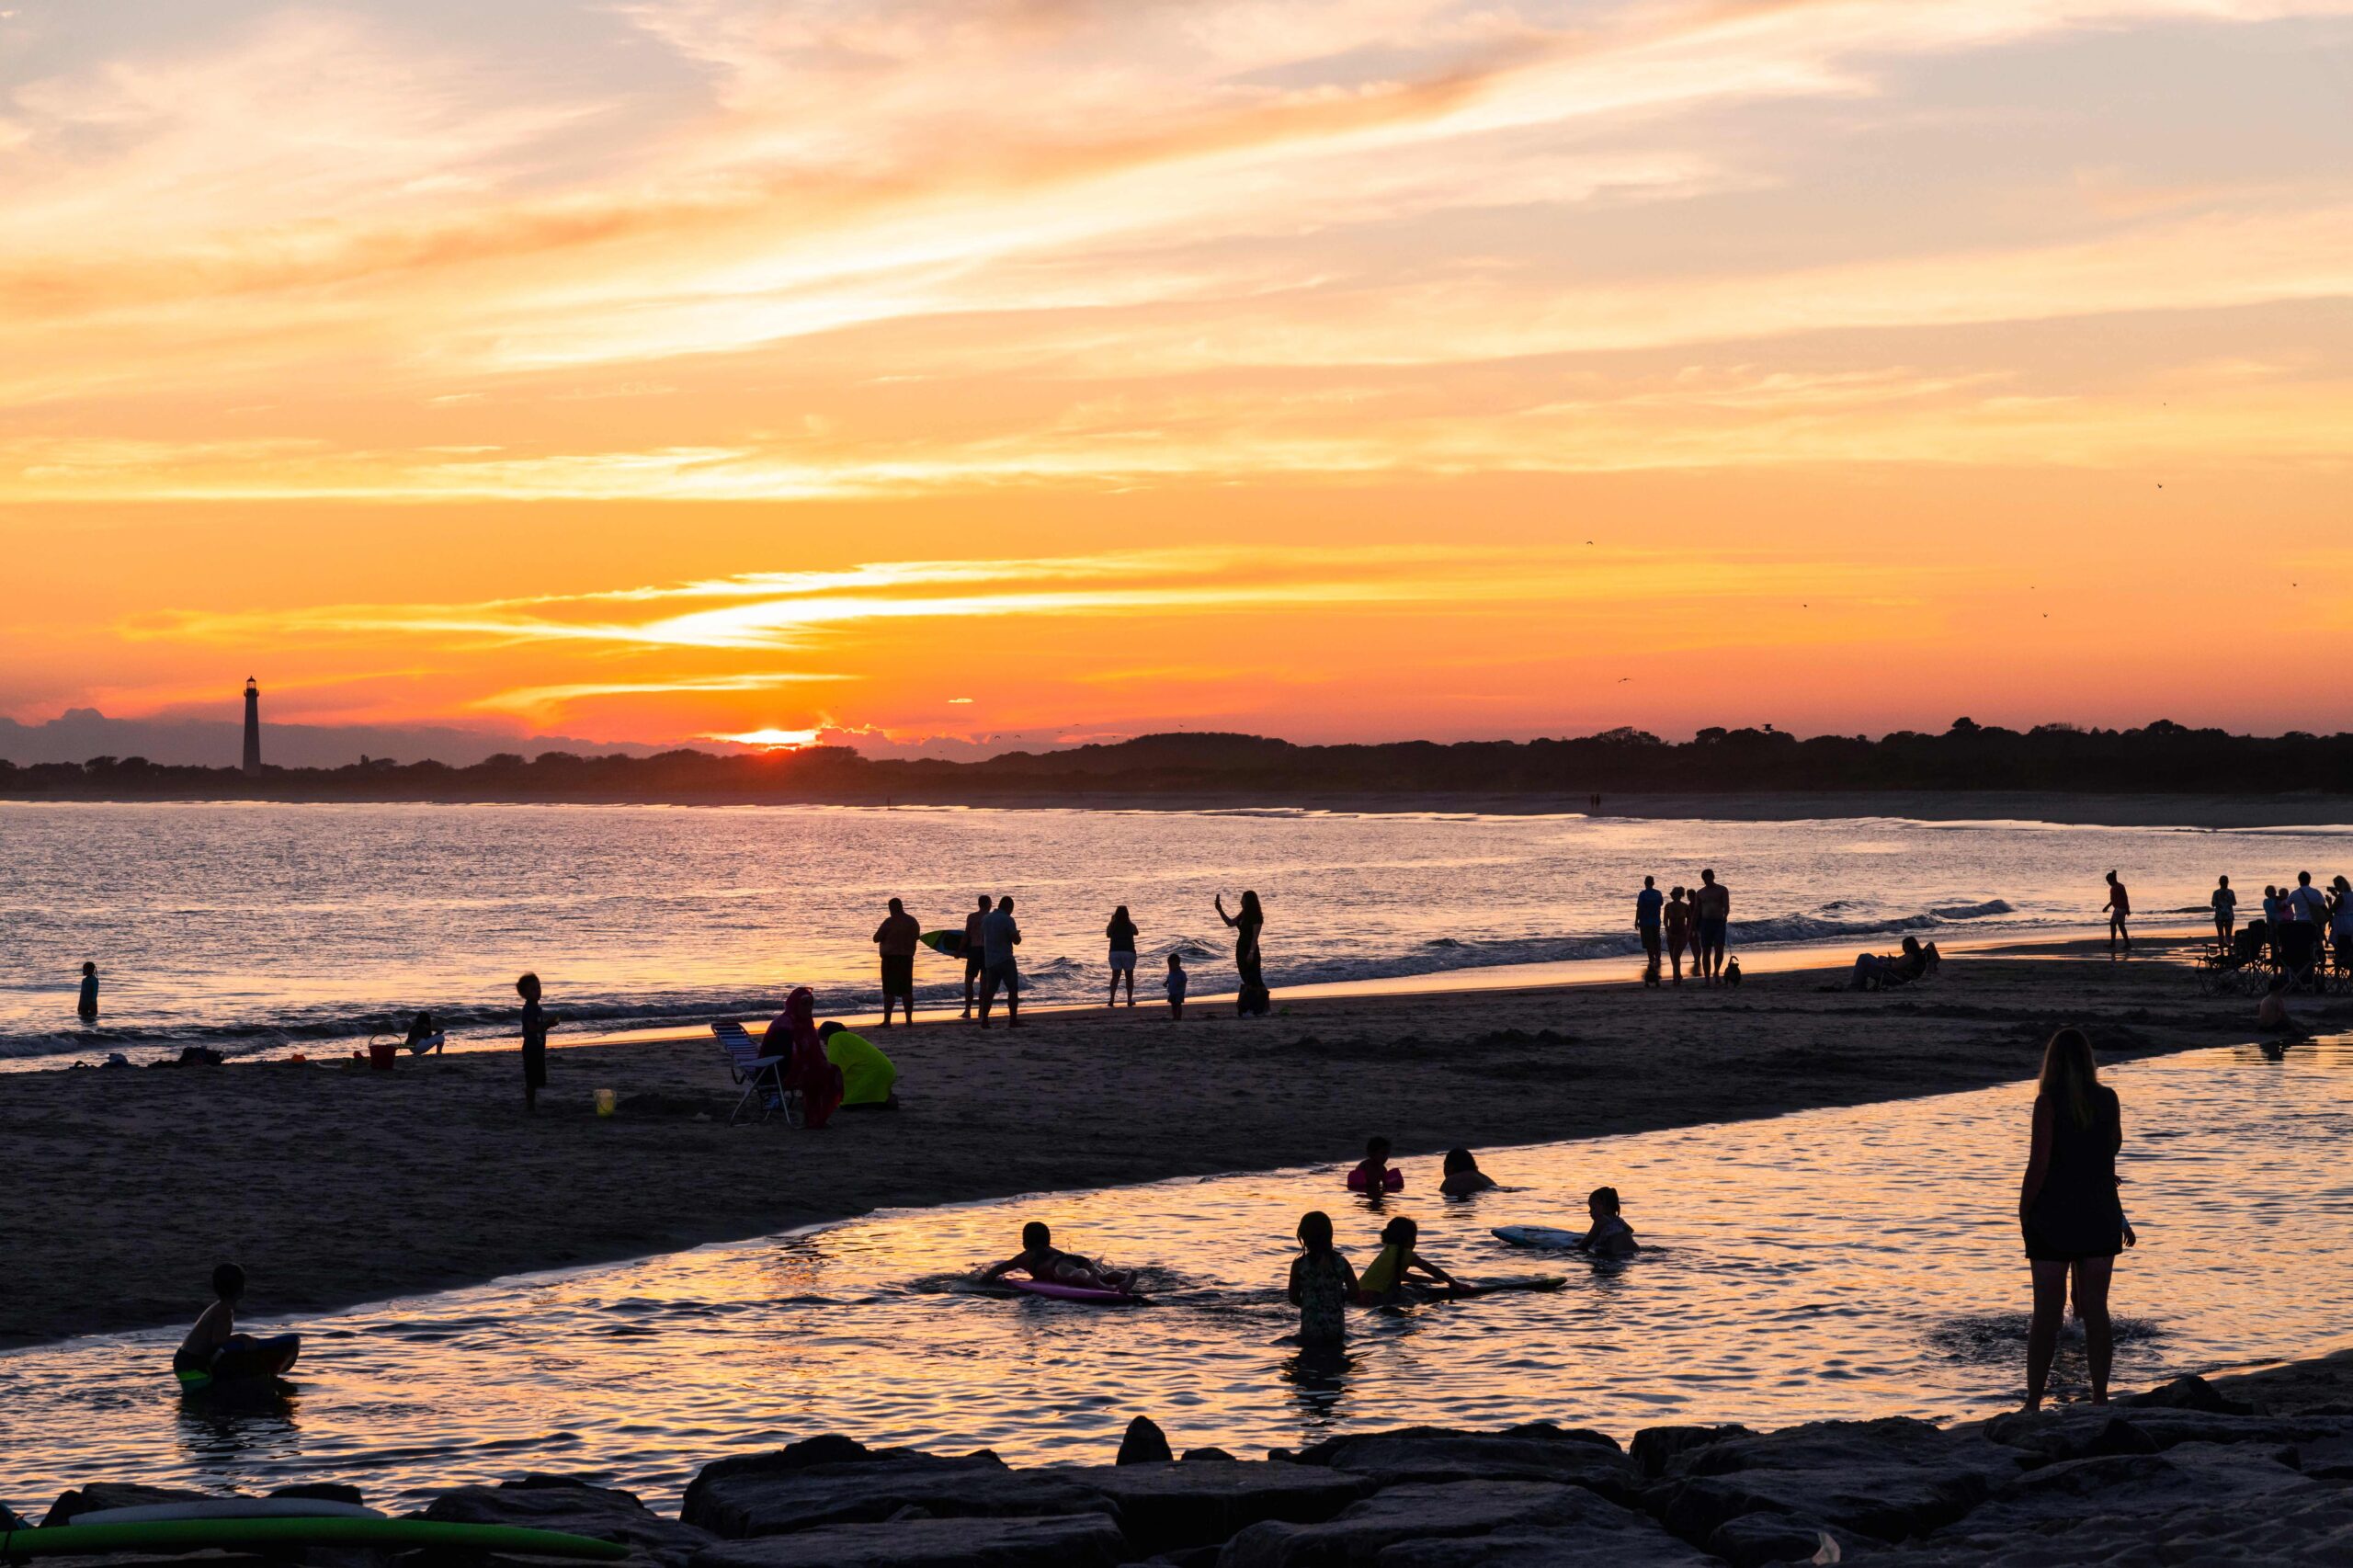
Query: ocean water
1851, 1261
251, 927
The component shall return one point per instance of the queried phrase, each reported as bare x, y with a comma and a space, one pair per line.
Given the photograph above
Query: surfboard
1472, 1288
948, 942
198, 1535
1536, 1235
1070, 1292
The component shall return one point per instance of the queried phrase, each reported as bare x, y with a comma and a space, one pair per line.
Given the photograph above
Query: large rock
2142, 1486
1084, 1541
1143, 1443
2291, 1530
1655, 1448
2089, 1431
1171, 1506
1540, 1451
1635, 1543
100, 1494
566, 1502
831, 1481
1420, 1512
1889, 1478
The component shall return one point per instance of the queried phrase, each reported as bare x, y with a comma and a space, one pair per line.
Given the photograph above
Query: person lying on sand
1610, 1235
1047, 1264
1463, 1175
1376, 1174
1384, 1280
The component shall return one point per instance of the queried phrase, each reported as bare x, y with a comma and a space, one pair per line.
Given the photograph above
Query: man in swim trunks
897, 937
1046, 1264
999, 937
1647, 908
2119, 910
973, 963
1711, 906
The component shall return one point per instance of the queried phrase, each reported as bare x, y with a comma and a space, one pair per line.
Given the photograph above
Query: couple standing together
1673, 925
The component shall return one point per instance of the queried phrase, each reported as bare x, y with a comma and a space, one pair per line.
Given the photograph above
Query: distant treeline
2163, 758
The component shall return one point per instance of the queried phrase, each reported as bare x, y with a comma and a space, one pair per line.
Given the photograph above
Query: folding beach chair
762, 1076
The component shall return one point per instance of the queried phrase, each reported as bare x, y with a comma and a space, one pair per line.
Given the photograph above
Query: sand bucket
383, 1054
603, 1102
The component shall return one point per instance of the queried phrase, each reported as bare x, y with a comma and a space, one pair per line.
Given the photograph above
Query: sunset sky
1040, 369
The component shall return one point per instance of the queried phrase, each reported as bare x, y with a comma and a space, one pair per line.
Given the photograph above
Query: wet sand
333, 1187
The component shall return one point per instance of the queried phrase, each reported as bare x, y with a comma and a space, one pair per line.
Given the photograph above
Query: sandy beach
336, 1186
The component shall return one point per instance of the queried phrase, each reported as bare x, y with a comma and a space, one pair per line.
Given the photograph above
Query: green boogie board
948, 942
198, 1535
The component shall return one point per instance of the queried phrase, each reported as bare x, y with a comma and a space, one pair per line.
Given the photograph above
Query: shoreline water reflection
1847, 1262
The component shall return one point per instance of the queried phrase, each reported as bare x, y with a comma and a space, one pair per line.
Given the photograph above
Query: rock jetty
2185, 1473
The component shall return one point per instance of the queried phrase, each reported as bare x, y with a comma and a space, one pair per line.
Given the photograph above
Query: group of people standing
990, 935
1669, 926
2297, 922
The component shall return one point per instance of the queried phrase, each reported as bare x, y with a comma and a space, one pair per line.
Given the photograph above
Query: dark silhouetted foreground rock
831, 1481
1425, 1512
1537, 1452
1167, 1508
1145, 1443
565, 1503
1080, 1541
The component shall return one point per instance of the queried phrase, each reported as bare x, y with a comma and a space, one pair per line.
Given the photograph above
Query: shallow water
251, 927
1836, 1263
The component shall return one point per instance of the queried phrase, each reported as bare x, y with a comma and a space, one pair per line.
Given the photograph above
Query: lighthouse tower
252, 726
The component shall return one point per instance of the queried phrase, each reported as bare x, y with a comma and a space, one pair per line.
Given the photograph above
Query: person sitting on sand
868, 1076
1385, 1280
1876, 972
1376, 1174
423, 1035
792, 1034
1610, 1235
1463, 1175
1178, 981
1046, 1264
216, 1329
1322, 1283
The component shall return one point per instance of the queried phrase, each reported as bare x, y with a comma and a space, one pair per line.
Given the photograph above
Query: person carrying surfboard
1048, 1265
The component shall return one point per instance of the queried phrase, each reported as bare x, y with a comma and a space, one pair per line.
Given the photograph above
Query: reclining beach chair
762, 1076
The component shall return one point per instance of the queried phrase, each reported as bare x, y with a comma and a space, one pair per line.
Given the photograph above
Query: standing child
1322, 1283
89, 1004
1178, 981
536, 1025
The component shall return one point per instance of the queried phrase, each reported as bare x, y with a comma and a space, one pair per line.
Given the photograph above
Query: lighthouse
252, 726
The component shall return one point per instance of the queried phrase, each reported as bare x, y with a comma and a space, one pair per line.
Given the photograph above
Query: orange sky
1040, 369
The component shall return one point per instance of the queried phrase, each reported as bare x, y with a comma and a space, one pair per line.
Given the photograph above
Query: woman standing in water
1248, 920
1122, 935
2069, 1210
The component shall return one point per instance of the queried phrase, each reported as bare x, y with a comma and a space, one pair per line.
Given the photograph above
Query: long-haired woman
2069, 1210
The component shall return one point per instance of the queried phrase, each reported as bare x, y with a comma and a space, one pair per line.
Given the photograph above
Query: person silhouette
89, 1005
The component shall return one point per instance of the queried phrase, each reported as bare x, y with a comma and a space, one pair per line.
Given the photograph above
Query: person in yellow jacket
869, 1078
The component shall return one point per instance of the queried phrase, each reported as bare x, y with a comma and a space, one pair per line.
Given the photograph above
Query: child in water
1463, 1175
1322, 1283
1385, 1279
1610, 1235
1178, 981
1376, 1174
217, 1326
1044, 1262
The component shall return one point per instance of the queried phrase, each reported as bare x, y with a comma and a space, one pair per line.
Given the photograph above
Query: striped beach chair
762, 1076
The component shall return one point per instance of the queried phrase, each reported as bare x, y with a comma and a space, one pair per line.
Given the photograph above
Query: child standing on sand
536, 1025
1178, 981
1322, 1283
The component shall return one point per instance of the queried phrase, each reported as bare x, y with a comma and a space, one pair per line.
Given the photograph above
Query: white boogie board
1538, 1237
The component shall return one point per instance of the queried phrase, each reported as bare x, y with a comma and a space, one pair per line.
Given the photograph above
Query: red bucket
383, 1054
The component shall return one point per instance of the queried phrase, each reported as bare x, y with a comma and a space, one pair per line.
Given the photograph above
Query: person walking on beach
88, 1006
1712, 908
1677, 921
2119, 910
2226, 912
1322, 1284
973, 962
897, 937
536, 1025
1647, 905
2072, 1220
999, 937
1248, 920
1122, 935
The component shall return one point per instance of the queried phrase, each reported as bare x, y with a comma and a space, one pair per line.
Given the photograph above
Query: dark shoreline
2063, 808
